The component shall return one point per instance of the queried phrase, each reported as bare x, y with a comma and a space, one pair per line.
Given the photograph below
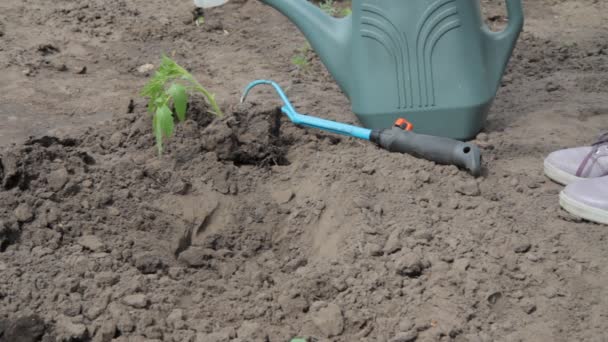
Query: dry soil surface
249, 228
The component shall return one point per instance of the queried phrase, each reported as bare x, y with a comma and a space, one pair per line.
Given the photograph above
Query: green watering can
434, 62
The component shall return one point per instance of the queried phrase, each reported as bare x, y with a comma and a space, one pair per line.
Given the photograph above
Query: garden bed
249, 228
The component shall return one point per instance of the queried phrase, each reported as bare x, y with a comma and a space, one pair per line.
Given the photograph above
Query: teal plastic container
433, 62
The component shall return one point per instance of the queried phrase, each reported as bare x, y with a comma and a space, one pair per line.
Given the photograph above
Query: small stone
551, 292
250, 331
196, 256
447, 258
410, 265
551, 87
282, 196
378, 209
220, 336
532, 257
81, 71
143, 69
57, 179
362, 202
176, 273
328, 319
368, 169
68, 331
138, 301
423, 235
94, 312
339, 284
176, 318
105, 279
91, 242
461, 264
116, 139
423, 176
409, 336
393, 243
182, 336
406, 325
522, 247
153, 333
24, 213
468, 188
528, 307
106, 332
148, 263
494, 297
518, 295
180, 187
482, 137
73, 310
373, 249
454, 203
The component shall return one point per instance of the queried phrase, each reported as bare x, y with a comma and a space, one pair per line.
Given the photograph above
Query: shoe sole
560, 176
583, 210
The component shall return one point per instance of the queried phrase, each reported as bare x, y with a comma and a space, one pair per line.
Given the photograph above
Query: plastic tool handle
438, 149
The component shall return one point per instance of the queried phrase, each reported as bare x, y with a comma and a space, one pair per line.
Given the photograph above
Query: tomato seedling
168, 91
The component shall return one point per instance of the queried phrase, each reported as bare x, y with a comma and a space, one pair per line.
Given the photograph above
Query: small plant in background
328, 7
301, 59
168, 91
345, 12
331, 8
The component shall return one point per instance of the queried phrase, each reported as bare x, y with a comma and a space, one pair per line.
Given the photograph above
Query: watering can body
434, 62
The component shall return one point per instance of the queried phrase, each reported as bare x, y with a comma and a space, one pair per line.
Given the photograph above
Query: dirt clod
24, 212
409, 264
91, 242
328, 318
148, 263
469, 188
197, 256
23, 329
405, 336
67, 330
57, 179
138, 301
106, 332
522, 247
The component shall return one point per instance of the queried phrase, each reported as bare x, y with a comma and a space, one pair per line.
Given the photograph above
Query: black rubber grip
438, 149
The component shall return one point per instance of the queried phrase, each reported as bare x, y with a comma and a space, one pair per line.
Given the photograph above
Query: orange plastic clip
404, 124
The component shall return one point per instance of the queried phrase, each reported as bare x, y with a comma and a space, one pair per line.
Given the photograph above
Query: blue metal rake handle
307, 120
438, 149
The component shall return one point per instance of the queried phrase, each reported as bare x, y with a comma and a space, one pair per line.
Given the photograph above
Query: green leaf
165, 121
163, 126
180, 100
158, 134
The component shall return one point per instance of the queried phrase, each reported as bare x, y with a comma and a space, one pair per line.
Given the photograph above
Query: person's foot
587, 199
574, 164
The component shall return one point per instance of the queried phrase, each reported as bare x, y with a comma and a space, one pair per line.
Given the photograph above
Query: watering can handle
500, 45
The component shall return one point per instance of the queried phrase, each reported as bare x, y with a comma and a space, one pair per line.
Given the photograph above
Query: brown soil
251, 229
